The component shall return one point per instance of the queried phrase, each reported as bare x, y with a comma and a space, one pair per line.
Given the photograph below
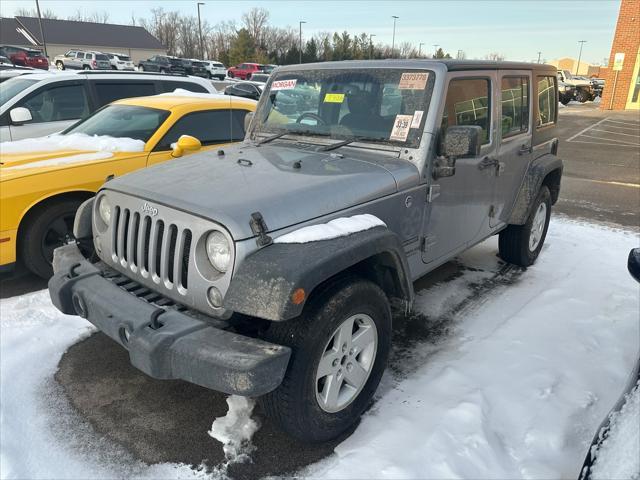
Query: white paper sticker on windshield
401, 128
413, 81
284, 84
417, 118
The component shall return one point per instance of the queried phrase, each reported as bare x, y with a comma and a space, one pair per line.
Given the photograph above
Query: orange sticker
413, 81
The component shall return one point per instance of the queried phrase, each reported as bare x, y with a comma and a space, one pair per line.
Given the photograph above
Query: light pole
301, 22
539, 53
393, 39
581, 42
200, 32
435, 50
420, 49
44, 42
371, 46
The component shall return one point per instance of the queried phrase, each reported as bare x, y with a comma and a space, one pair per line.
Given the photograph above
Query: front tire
521, 244
46, 229
582, 96
340, 346
60, 65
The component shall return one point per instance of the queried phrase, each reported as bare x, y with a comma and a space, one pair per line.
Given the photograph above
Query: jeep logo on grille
149, 210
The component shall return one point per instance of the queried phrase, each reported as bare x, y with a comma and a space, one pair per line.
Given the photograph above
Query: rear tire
582, 96
45, 229
60, 65
86, 67
521, 244
340, 345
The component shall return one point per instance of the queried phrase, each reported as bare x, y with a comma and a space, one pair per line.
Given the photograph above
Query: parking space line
619, 121
608, 182
615, 141
603, 143
587, 129
614, 133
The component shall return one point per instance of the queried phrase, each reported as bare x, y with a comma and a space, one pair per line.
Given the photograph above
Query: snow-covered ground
517, 389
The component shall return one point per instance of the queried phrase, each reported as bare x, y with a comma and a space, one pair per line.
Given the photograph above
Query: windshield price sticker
413, 81
334, 98
417, 119
401, 127
284, 84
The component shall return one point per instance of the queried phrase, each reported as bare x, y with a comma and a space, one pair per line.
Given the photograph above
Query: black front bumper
165, 343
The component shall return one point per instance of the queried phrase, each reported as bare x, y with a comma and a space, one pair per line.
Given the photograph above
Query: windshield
12, 87
380, 105
127, 121
124, 58
33, 53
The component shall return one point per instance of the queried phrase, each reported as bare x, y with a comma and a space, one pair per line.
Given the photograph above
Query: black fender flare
538, 170
264, 284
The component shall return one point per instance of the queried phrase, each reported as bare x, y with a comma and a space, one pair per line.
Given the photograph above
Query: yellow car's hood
15, 165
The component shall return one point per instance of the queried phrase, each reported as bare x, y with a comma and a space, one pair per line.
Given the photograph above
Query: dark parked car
245, 90
194, 67
566, 92
162, 64
25, 57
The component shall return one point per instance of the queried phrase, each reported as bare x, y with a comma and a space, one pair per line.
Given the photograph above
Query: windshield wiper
333, 146
272, 137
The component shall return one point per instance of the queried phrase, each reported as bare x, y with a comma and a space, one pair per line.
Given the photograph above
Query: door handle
487, 162
525, 149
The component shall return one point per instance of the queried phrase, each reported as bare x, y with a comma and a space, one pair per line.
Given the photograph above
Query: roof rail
129, 72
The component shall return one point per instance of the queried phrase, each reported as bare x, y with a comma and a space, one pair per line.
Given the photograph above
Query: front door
461, 204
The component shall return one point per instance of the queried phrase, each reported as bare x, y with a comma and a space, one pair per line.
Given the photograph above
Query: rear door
515, 140
461, 204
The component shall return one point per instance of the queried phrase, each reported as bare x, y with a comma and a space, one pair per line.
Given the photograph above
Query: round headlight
104, 208
218, 251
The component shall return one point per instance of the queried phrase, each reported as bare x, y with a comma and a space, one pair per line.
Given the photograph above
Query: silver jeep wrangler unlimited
417, 160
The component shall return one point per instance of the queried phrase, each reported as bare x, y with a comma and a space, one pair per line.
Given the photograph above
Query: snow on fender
340, 227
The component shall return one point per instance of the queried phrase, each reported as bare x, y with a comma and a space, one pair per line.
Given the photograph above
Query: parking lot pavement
601, 154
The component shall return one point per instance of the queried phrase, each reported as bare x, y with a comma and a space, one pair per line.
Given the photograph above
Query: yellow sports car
44, 180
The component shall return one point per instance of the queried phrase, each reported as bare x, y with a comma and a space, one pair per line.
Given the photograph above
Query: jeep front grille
152, 248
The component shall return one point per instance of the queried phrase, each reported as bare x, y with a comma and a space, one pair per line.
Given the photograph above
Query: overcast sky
517, 29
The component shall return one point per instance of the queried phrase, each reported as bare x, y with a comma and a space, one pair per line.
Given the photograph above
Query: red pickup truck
245, 70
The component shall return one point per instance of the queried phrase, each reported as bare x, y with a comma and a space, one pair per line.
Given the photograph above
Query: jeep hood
286, 185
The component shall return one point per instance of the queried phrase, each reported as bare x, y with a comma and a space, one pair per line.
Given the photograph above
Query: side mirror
633, 264
456, 142
247, 120
20, 115
186, 143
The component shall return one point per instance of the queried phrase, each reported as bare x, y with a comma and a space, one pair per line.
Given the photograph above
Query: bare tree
255, 21
94, 17
27, 12
495, 56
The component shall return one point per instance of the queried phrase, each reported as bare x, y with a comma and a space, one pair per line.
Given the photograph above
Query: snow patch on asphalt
73, 141
236, 429
618, 456
340, 227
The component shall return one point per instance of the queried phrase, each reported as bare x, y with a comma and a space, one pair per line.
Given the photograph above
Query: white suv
39, 104
215, 69
120, 61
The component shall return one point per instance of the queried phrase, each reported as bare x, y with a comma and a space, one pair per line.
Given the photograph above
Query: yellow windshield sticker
413, 81
334, 98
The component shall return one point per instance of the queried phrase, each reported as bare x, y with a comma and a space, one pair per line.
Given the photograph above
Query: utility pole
581, 42
393, 39
200, 32
44, 42
435, 50
539, 53
420, 49
301, 22
459, 55
371, 46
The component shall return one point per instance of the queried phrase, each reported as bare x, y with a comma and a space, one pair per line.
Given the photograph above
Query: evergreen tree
242, 48
310, 53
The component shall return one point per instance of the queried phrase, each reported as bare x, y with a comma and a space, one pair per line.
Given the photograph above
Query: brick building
627, 41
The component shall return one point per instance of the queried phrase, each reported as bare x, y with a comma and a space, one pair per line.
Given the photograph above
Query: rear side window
515, 105
68, 102
211, 127
467, 103
547, 102
80, 55
108, 92
170, 86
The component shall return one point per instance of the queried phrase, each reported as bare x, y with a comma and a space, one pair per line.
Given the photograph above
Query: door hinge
433, 192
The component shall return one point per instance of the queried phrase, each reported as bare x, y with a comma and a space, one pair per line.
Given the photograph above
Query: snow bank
236, 429
73, 141
340, 227
619, 454
529, 371
181, 92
